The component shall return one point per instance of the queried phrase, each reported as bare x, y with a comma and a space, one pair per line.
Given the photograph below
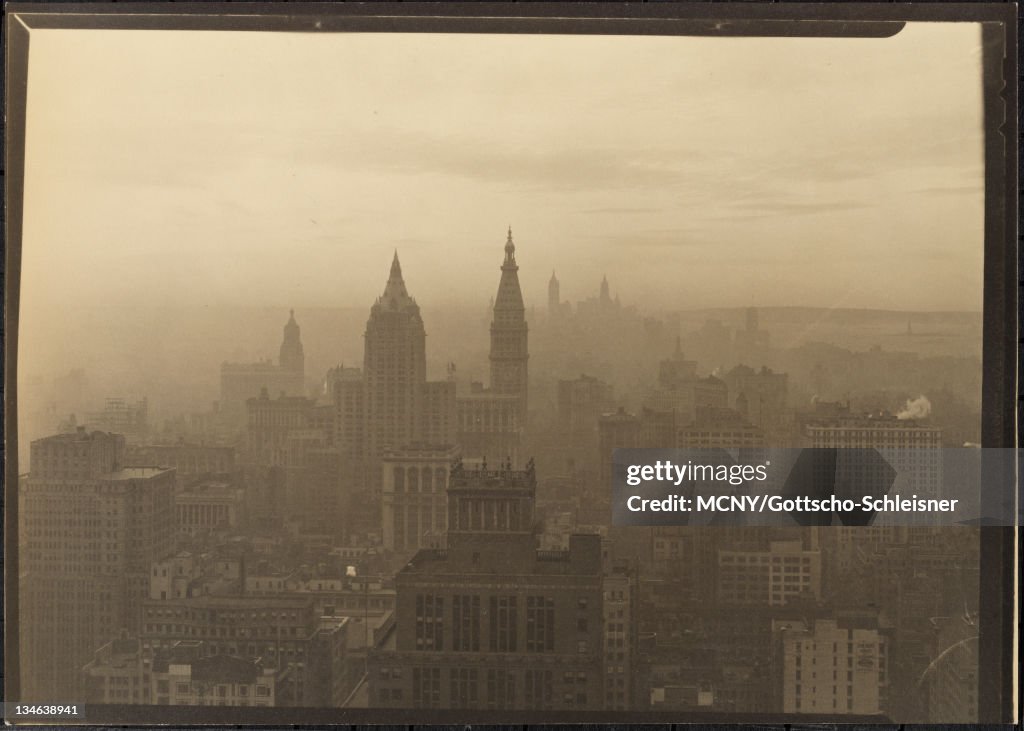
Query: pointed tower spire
509, 352
291, 356
395, 296
394, 372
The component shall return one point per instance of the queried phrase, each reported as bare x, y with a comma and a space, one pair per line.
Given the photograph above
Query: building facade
209, 506
414, 497
773, 576
831, 666
285, 632
913, 448
89, 528
186, 459
491, 622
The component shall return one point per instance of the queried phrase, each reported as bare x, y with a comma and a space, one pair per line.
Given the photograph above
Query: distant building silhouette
601, 306
292, 358
119, 416
558, 311
240, 382
581, 403
554, 295
761, 395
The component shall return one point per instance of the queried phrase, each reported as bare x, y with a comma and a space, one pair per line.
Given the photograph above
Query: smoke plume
919, 408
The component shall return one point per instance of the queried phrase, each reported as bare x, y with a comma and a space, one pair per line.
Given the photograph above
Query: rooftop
137, 473
875, 420
79, 435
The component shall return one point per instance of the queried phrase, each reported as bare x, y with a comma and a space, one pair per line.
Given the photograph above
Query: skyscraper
291, 356
90, 530
554, 297
509, 352
394, 368
491, 420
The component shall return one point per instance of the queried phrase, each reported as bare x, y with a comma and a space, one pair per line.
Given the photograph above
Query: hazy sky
283, 169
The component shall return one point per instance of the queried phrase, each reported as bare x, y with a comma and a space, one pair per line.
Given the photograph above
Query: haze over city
284, 169
327, 342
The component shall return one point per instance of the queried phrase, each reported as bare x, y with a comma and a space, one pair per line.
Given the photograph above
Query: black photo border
1003, 278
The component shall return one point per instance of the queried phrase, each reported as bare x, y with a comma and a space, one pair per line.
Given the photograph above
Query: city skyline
330, 344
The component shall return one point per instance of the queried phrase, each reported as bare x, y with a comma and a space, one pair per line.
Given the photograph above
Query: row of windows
501, 688
414, 479
503, 615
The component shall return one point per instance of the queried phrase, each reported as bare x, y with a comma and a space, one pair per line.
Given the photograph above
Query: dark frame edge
16, 60
1000, 356
1002, 400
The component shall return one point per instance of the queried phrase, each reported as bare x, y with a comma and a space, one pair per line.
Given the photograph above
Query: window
466, 623
540, 624
501, 689
503, 624
426, 687
464, 691
429, 622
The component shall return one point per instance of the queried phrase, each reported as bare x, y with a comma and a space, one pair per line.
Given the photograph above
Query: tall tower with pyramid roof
292, 357
554, 295
394, 367
509, 352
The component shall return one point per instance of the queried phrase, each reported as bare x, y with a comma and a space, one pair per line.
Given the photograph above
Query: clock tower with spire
509, 352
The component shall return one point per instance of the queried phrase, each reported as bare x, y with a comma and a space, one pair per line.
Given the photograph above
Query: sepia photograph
326, 333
